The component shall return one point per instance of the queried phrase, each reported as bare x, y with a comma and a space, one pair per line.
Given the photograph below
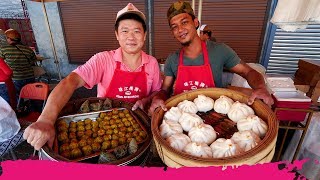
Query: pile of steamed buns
185, 131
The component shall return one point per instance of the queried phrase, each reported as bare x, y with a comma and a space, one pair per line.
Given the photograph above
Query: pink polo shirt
99, 70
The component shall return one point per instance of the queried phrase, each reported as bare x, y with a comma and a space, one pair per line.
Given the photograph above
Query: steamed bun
246, 139
202, 133
203, 103
198, 149
188, 106
224, 148
223, 104
254, 123
169, 127
239, 111
178, 141
173, 114
188, 120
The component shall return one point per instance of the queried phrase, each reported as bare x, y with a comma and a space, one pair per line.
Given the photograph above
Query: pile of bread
185, 131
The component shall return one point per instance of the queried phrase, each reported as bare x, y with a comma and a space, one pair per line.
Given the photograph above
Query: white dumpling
169, 127
198, 149
253, 123
188, 106
203, 103
246, 139
173, 114
178, 141
225, 148
188, 120
239, 111
202, 133
223, 104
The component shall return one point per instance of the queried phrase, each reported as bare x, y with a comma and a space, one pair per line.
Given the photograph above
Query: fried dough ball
102, 114
106, 145
127, 123
72, 135
101, 132
115, 131
80, 134
81, 128
123, 129
113, 126
87, 150
122, 140
129, 129
95, 129
115, 111
96, 147
88, 127
74, 140
63, 136
95, 124
98, 139
125, 111
120, 125
87, 121
135, 126
82, 142
143, 134
135, 133
121, 114
88, 133
109, 131
62, 128
114, 143
129, 135
85, 137
90, 141
64, 147
107, 137
124, 119
115, 137
73, 124
139, 138
75, 153
94, 135
73, 145
73, 129
62, 122
122, 134
113, 121
80, 123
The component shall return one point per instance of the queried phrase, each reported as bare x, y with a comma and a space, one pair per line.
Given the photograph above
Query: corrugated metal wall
289, 47
89, 26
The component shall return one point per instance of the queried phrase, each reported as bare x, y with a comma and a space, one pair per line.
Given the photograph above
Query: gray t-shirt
220, 56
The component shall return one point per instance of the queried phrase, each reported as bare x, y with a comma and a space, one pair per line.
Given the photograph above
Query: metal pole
199, 14
56, 61
150, 27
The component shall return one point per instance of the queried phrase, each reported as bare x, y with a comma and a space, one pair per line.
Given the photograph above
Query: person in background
3, 39
127, 74
7, 90
198, 64
19, 58
206, 33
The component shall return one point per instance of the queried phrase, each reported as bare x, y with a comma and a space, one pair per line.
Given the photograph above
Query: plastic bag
9, 124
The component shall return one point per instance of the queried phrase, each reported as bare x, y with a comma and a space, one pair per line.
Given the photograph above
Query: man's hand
156, 102
140, 103
261, 94
39, 133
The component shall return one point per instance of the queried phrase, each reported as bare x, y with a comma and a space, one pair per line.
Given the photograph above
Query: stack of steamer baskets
262, 152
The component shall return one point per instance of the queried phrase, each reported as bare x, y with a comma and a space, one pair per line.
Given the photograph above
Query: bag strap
29, 61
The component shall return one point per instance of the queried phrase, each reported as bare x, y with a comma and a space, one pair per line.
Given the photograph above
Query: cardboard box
303, 88
308, 72
314, 94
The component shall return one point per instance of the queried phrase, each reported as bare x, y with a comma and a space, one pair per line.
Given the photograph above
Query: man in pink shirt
127, 74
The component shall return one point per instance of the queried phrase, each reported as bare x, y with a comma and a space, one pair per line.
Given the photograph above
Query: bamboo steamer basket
262, 153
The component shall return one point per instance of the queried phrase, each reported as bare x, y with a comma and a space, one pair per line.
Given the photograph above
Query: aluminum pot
138, 158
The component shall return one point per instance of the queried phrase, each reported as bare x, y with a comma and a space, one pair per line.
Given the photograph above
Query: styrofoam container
293, 100
287, 96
